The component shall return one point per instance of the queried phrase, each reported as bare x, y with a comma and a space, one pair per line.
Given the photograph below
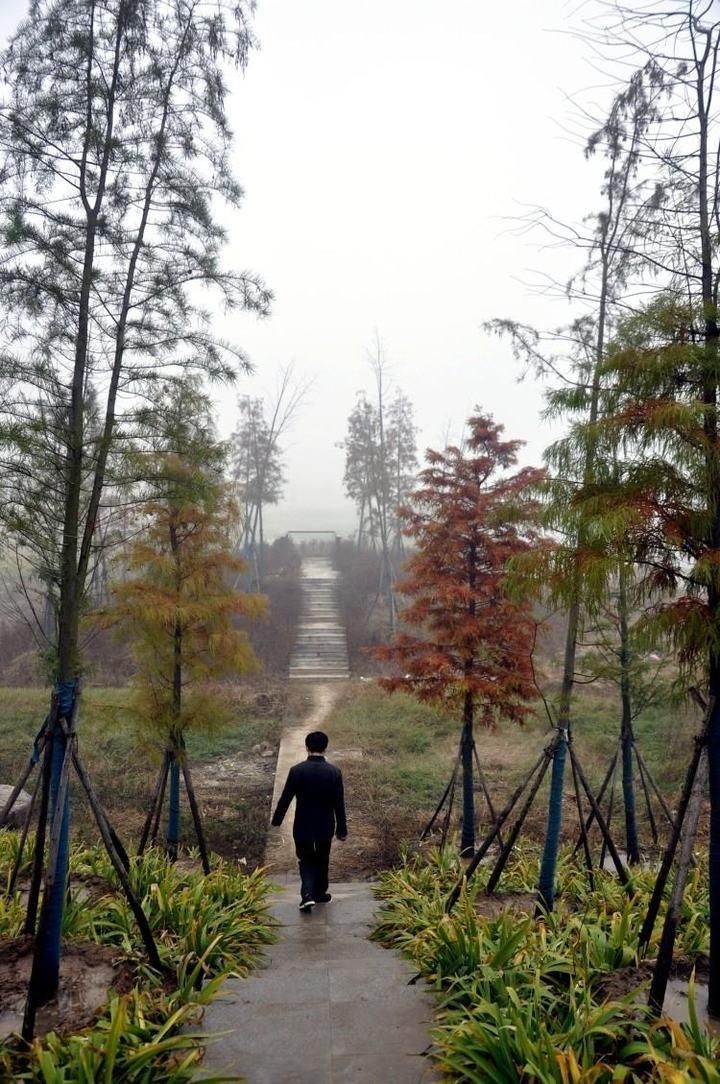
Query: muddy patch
519, 903
235, 772
234, 795
632, 980
628, 980
89, 973
355, 859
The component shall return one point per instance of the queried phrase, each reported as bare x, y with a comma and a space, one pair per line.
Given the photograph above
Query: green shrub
521, 996
206, 928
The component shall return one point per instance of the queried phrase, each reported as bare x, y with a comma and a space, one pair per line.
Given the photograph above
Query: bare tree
380, 471
256, 457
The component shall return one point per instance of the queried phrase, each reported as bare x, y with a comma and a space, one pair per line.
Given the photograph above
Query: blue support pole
46, 964
173, 828
632, 842
548, 867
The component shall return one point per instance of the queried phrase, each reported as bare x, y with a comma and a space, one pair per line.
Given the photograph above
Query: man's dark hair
316, 741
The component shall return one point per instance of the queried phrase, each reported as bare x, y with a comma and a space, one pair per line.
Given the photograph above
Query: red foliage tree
468, 518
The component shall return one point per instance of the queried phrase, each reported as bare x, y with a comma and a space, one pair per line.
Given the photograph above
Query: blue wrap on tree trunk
50, 931
546, 886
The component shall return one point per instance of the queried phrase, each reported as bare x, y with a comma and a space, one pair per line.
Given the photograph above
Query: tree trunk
663, 964
49, 936
712, 463
713, 756
173, 826
261, 561
175, 749
361, 524
48, 942
467, 841
632, 845
548, 865
551, 847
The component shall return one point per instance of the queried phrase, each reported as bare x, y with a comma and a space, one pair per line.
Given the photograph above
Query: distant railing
315, 543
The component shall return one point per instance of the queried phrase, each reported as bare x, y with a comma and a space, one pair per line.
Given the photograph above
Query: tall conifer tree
114, 150
664, 507
176, 606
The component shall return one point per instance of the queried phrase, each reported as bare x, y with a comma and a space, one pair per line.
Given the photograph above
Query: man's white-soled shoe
306, 905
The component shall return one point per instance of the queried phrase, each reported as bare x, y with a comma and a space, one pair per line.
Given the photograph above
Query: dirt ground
234, 794
234, 790
87, 973
375, 835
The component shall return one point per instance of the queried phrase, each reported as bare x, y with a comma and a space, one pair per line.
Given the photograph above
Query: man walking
317, 788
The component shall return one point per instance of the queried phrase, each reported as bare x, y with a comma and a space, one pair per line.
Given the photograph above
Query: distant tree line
380, 473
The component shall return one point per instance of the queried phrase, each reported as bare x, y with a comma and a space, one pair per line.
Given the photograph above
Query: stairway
320, 652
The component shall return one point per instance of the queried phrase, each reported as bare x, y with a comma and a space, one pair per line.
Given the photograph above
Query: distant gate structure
317, 542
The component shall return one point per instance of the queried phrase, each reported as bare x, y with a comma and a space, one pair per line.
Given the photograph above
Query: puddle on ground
609, 866
677, 1005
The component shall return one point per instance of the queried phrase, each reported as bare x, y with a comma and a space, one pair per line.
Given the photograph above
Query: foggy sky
382, 147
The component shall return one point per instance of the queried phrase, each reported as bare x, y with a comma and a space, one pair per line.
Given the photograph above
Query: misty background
384, 148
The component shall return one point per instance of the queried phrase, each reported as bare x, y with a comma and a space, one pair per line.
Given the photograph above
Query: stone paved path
330, 1007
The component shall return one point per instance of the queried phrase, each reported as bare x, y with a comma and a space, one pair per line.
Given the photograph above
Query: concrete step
314, 657
320, 651
319, 666
320, 672
319, 677
318, 645
315, 653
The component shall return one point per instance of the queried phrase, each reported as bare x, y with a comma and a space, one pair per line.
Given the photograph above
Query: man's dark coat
317, 788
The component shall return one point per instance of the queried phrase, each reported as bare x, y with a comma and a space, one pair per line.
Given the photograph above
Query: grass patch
409, 750
123, 764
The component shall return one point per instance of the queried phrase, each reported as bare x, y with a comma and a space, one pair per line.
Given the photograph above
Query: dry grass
123, 764
408, 752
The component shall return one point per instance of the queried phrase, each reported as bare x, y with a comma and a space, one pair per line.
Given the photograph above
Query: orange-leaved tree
473, 649
177, 608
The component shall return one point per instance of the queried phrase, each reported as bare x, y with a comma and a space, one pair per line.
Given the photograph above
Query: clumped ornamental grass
206, 927
522, 998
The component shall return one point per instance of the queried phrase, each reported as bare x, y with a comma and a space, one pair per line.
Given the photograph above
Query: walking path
330, 1007
280, 851
320, 652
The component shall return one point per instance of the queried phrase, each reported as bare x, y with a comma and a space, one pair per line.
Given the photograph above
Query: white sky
381, 145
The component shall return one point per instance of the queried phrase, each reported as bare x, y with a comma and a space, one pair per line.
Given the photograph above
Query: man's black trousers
313, 859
